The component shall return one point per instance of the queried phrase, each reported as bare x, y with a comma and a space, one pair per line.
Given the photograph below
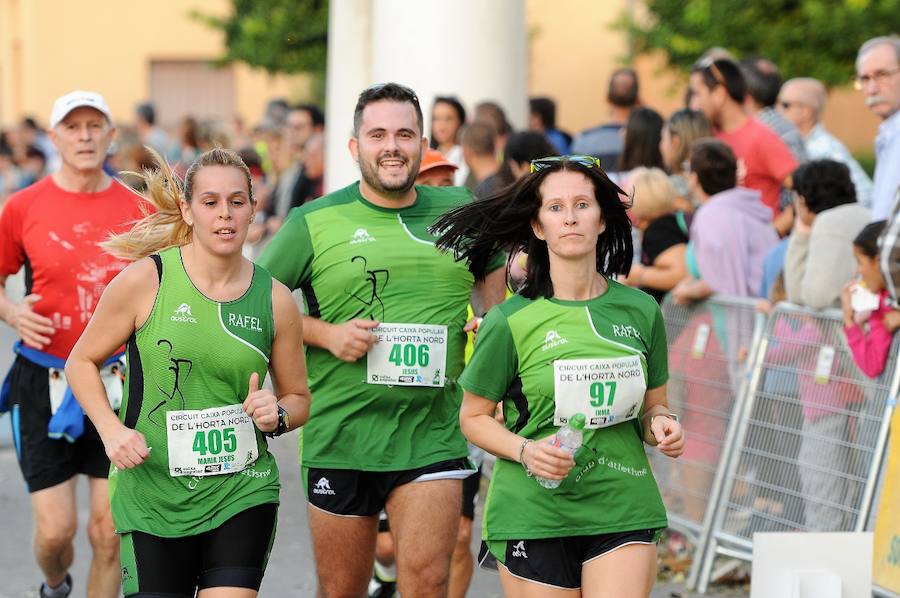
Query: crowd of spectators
742, 192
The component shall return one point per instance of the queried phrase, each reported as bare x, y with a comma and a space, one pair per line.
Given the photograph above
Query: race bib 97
408, 355
606, 391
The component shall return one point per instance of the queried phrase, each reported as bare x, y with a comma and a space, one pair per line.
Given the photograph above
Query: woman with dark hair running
193, 487
571, 341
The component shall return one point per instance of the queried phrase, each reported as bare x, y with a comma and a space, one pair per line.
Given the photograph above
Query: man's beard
369, 172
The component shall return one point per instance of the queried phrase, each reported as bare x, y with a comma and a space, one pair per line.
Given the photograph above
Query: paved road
290, 571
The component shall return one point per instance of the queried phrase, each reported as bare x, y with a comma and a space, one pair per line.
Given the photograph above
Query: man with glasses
718, 89
802, 102
386, 313
878, 77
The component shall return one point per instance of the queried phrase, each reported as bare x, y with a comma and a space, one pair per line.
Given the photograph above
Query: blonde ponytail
165, 227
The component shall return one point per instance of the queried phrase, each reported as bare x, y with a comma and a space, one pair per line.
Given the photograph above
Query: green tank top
188, 372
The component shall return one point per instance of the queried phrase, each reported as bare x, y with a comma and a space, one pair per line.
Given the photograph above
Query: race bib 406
408, 355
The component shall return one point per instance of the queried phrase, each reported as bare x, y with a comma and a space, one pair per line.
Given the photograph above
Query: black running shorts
232, 555
557, 562
46, 461
355, 493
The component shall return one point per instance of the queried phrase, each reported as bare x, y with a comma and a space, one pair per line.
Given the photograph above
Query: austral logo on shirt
361, 236
553, 339
183, 314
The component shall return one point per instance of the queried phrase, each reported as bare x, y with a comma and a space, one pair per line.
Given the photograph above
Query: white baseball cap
76, 99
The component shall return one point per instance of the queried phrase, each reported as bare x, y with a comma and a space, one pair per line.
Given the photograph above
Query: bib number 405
600, 391
409, 355
214, 441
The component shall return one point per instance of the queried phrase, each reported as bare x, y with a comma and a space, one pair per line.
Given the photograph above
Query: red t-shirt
55, 235
767, 159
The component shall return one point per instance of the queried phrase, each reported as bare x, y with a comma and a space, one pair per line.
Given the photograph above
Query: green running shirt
353, 259
193, 353
611, 488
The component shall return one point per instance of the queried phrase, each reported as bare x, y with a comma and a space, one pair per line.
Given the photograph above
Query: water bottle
569, 438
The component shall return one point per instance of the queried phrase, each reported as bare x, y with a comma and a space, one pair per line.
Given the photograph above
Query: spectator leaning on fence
731, 232
869, 329
819, 257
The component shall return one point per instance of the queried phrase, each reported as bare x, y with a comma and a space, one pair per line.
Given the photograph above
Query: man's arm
35, 330
348, 341
690, 290
489, 292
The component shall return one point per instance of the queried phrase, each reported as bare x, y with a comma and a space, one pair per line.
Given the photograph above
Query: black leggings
232, 555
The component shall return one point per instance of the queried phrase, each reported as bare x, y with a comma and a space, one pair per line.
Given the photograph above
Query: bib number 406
409, 355
599, 393
214, 441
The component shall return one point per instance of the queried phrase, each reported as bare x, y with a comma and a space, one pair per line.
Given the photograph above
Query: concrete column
348, 73
473, 49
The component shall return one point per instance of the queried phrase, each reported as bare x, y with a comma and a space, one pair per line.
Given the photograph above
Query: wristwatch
284, 422
672, 416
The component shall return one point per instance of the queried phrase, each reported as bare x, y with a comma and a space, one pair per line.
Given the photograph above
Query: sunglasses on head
710, 65
586, 161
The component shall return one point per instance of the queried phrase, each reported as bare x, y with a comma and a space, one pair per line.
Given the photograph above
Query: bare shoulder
138, 277
284, 307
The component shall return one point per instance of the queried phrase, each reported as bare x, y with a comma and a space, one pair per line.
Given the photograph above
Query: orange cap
434, 159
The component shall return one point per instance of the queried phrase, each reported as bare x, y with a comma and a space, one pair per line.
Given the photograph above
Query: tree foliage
812, 38
280, 36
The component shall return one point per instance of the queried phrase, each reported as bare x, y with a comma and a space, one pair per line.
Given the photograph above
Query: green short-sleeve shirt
353, 259
611, 488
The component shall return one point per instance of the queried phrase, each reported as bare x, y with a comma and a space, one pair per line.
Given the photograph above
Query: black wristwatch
284, 422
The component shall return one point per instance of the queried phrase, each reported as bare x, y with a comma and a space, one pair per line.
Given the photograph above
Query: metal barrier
710, 344
810, 433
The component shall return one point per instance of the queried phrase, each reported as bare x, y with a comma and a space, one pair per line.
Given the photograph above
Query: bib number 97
600, 391
409, 355
214, 441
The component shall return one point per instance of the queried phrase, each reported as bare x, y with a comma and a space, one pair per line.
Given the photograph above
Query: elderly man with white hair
878, 77
802, 102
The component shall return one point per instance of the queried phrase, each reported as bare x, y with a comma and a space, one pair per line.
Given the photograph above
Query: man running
54, 228
385, 326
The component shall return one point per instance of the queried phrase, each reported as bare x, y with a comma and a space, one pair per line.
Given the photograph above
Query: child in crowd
868, 328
